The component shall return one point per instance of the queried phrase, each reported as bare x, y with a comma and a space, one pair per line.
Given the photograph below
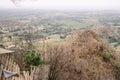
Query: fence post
0, 70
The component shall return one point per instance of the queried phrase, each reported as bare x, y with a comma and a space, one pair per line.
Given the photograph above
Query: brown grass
80, 57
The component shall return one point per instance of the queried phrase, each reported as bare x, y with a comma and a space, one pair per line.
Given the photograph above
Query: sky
60, 4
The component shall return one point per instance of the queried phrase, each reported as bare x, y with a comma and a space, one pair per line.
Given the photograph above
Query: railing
40, 72
12, 66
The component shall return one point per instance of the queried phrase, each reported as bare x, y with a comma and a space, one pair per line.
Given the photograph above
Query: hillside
83, 56
107, 32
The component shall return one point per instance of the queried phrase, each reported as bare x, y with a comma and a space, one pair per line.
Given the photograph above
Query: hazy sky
60, 4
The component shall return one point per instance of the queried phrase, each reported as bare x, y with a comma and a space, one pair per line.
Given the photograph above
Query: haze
60, 4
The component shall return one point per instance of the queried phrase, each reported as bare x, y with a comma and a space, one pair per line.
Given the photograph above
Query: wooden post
0, 70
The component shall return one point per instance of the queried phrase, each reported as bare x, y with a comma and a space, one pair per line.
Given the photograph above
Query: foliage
106, 56
32, 58
112, 39
116, 45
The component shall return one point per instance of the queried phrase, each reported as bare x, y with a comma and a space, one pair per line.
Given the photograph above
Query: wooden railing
36, 73
12, 66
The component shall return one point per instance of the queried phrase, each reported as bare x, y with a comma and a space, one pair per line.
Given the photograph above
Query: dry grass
80, 57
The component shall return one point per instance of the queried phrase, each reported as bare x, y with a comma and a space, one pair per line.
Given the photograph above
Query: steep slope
91, 56
107, 32
83, 56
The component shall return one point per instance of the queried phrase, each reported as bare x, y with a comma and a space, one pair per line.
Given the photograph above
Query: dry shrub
80, 57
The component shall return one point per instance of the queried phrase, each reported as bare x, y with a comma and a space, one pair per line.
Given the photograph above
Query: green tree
32, 58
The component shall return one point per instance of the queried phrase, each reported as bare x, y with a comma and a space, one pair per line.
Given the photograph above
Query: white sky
62, 4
